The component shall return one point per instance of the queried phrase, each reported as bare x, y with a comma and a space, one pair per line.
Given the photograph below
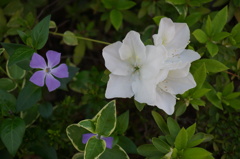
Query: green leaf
212, 48
22, 54
12, 131
234, 103
7, 84
15, 72
40, 33
196, 153
106, 119
79, 52
78, 156
74, 133
94, 148
7, 102
200, 76
116, 152
228, 89
108, 3
173, 126
161, 145
11, 47
116, 18
220, 20
88, 125
220, 36
200, 92
1, 50
30, 115
28, 96
45, 109
127, 144
124, 5
212, 65
191, 131
232, 95
208, 26
212, 97
139, 106
69, 38
160, 122
122, 122
149, 150
181, 139
200, 36
193, 18
176, 2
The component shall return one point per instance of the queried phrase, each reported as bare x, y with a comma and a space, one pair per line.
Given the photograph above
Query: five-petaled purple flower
48, 70
108, 140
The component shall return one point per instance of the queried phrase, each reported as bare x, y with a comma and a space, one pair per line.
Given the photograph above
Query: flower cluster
153, 74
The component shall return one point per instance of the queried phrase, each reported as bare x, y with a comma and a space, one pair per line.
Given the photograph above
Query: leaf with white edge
220, 20
160, 122
30, 115
12, 132
181, 139
94, 148
106, 119
69, 38
122, 122
212, 65
15, 72
212, 48
116, 18
196, 153
149, 150
7, 84
161, 145
78, 156
74, 133
28, 96
40, 33
115, 153
191, 131
88, 124
200, 36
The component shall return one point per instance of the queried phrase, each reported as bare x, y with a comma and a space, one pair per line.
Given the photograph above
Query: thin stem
83, 38
230, 73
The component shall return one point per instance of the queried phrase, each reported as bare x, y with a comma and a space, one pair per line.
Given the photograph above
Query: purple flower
108, 140
48, 70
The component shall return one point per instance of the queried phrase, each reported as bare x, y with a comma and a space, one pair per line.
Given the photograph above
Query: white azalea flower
173, 36
134, 68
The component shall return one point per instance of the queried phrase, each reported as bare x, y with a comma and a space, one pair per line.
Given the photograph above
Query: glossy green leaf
79, 52
176, 2
30, 115
228, 89
191, 131
220, 36
116, 18
139, 106
127, 144
220, 20
28, 96
161, 145
74, 133
69, 38
116, 152
212, 65
108, 3
208, 26
12, 131
45, 109
181, 139
40, 33
7, 84
122, 122
173, 126
94, 148
78, 156
196, 153
212, 48
160, 122
200, 92
11, 47
149, 150
7, 102
106, 119
124, 5
200, 36
212, 97
200, 76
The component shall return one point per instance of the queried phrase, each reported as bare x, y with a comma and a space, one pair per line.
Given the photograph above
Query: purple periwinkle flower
108, 140
49, 70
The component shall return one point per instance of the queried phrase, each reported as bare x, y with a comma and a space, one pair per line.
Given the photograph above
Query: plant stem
83, 38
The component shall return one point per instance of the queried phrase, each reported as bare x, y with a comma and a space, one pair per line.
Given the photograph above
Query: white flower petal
113, 61
180, 40
166, 32
133, 49
165, 101
179, 73
144, 90
178, 85
119, 86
